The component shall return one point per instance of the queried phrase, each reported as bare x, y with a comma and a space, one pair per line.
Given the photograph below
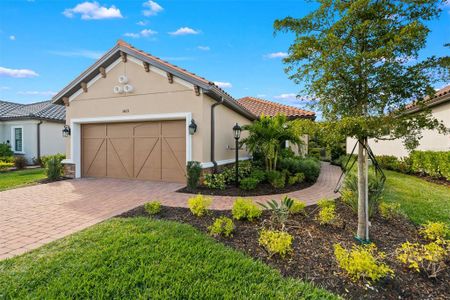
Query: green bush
297, 207
249, 183
327, 212
193, 171
276, 242
310, 167
296, 178
5, 150
7, 159
277, 179
389, 210
153, 207
5, 165
435, 231
215, 181
199, 205
349, 192
362, 262
53, 168
44, 159
244, 170
432, 163
222, 226
259, 174
391, 162
245, 209
314, 152
20, 162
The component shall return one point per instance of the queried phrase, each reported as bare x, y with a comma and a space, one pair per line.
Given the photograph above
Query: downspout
38, 152
213, 134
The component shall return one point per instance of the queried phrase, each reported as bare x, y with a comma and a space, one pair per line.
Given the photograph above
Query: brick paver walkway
35, 215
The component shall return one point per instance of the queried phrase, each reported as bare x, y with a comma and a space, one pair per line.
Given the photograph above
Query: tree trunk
363, 195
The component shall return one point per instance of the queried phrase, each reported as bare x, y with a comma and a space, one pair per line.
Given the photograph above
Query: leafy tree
359, 60
267, 134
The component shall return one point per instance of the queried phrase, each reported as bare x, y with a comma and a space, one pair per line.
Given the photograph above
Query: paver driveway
35, 215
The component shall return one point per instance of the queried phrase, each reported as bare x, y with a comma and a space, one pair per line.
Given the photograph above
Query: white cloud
4, 88
12, 37
17, 73
203, 48
79, 53
142, 23
93, 11
142, 33
261, 95
153, 8
276, 55
184, 31
286, 96
222, 84
37, 93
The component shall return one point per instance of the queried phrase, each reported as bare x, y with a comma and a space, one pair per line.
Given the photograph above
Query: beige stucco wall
52, 141
431, 140
153, 94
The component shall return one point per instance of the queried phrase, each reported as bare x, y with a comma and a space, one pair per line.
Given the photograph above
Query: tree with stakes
359, 60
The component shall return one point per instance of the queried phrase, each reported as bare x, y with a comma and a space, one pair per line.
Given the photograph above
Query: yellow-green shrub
153, 207
245, 209
430, 257
362, 262
297, 207
276, 242
5, 165
222, 226
199, 205
434, 231
389, 210
327, 215
325, 203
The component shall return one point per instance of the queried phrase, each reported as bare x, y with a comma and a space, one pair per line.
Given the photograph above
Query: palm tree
267, 134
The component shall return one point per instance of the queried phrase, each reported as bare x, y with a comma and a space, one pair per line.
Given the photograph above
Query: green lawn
140, 258
13, 179
420, 200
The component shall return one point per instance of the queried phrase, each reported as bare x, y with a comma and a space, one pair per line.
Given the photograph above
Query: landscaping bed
312, 258
263, 189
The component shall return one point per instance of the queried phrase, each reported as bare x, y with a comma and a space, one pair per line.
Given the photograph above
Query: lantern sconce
66, 131
192, 127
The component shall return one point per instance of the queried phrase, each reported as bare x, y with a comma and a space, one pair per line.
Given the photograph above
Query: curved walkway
35, 215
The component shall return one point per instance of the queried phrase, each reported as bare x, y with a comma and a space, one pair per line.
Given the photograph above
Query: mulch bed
313, 256
232, 190
441, 181
46, 180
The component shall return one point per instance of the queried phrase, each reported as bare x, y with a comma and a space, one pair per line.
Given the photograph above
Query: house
431, 139
32, 130
260, 107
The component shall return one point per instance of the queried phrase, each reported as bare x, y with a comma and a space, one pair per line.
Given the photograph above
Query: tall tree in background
359, 59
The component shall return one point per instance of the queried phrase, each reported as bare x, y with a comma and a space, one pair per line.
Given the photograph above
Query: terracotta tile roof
442, 94
39, 110
260, 106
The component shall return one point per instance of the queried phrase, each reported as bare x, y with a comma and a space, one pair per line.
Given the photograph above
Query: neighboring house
260, 107
431, 140
32, 130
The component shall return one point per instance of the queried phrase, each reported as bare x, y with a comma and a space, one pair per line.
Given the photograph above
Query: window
17, 139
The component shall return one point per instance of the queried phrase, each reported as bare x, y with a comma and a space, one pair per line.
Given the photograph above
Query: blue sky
46, 44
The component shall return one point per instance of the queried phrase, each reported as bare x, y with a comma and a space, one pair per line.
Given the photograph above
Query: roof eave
431, 103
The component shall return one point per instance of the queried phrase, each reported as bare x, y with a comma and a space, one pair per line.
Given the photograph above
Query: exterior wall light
66, 131
237, 131
237, 134
192, 127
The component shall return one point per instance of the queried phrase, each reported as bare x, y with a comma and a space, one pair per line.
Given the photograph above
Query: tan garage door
144, 150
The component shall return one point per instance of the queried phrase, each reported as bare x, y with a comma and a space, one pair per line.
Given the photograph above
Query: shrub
199, 205
277, 179
324, 203
391, 162
245, 209
222, 226
8, 159
297, 178
297, 207
215, 181
429, 258
193, 171
244, 170
432, 163
276, 242
389, 210
310, 167
20, 162
53, 168
350, 192
5, 165
249, 183
327, 215
279, 210
434, 231
258, 174
5, 150
44, 159
153, 207
362, 262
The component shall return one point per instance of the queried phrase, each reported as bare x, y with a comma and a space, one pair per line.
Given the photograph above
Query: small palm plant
280, 211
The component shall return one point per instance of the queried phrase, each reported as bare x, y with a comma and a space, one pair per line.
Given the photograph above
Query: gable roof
441, 96
260, 106
114, 53
45, 110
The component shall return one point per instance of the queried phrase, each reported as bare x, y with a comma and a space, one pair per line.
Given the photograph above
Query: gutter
213, 133
38, 127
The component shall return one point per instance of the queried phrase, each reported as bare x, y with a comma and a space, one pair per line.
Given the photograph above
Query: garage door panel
94, 158
120, 130
152, 129
173, 129
147, 160
93, 131
120, 158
